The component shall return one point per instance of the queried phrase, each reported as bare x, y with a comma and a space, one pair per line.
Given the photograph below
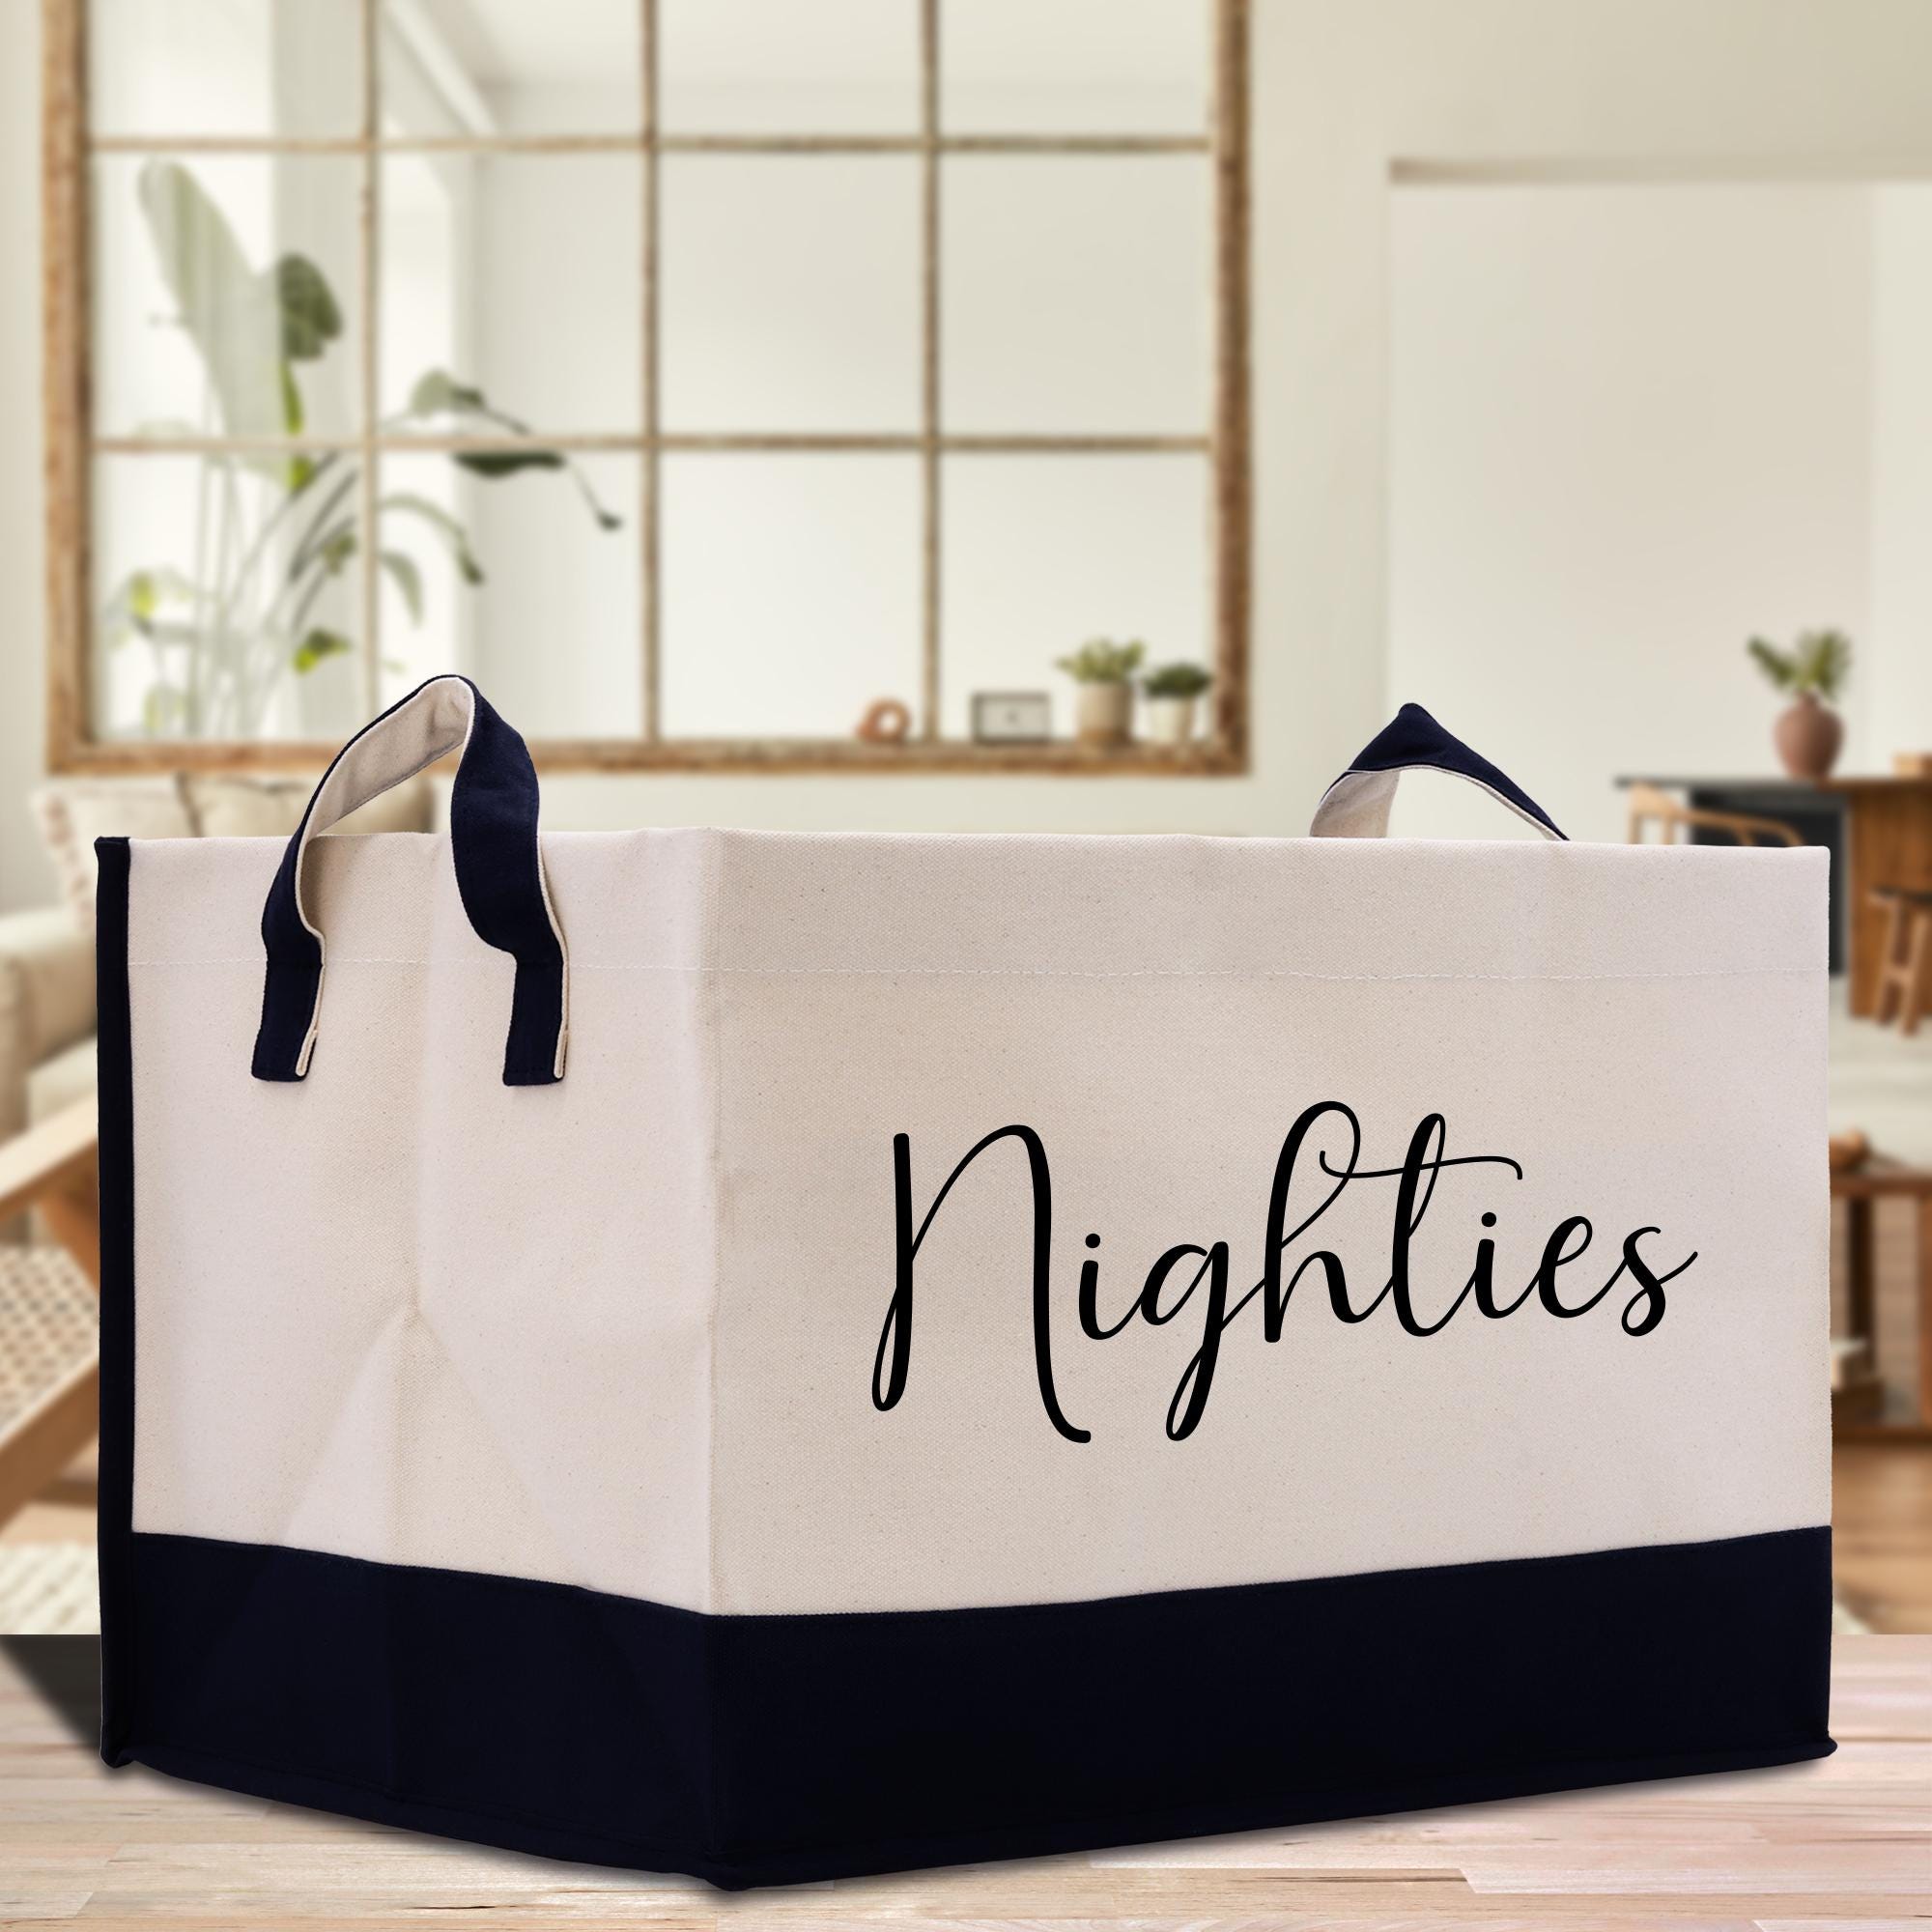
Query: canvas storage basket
775, 1355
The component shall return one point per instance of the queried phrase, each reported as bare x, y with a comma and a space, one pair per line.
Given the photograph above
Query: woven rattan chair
49, 1309
1905, 969
1648, 807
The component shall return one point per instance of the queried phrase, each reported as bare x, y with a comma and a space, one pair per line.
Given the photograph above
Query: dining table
1877, 825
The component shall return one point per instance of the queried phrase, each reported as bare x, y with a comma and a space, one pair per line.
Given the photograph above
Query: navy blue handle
1356, 806
493, 836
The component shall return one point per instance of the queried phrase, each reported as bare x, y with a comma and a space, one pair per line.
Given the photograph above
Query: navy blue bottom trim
753, 1751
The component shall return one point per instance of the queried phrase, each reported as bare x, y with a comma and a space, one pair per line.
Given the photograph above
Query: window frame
69, 150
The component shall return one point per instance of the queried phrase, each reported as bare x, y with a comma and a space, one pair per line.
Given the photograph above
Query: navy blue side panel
492, 835
1414, 738
753, 1750
116, 1493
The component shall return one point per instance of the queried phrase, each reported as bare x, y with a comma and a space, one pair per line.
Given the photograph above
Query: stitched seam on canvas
1056, 971
949, 1613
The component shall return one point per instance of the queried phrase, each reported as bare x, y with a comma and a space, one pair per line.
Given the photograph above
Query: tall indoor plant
274, 531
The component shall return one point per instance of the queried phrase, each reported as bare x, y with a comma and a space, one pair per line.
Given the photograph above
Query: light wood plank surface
56, 1154
1882, 1533
1839, 1843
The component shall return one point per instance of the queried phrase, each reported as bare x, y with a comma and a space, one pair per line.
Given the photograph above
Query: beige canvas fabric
71, 813
230, 806
622, 1332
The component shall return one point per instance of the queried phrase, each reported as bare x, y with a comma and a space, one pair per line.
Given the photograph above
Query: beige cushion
224, 806
61, 1081
46, 980
74, 812
57, 1082
46, 999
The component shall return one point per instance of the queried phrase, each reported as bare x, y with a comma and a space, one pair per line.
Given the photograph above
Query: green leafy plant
1102, 661
273, 531
1176, 680
1817, 664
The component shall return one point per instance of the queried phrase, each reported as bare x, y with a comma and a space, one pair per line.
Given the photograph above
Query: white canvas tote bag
775, 1355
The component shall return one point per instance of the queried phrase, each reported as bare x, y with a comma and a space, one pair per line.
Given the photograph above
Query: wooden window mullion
1229, 481
650, 479
368, 262
70, 144
930, 558
66, 340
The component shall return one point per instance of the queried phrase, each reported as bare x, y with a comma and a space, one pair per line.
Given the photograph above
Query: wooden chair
1649, 805
1905, 965
49, 1320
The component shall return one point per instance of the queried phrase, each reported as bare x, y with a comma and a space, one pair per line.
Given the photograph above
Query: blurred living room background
967, 415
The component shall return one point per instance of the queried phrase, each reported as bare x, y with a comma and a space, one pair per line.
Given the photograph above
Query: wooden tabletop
56, 1152
1839, 783
1878, 1176
1842, 1842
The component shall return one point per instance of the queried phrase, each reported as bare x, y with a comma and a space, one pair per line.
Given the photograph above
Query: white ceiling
1144, 42
511, 41
503, 42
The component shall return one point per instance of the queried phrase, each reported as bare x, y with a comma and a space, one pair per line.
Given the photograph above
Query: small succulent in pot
1104, 670
1173, 691
1809, 734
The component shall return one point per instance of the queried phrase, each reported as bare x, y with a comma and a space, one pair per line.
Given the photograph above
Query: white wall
1897, 691
1347, 92
1794, 90
25, 876
1629, 427
1075, 299
1343, 91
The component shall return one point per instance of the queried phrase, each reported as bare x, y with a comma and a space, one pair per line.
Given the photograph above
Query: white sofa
47, 955
46, 1015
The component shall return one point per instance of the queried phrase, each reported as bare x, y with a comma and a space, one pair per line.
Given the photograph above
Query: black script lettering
1421, 1168
1483, 1279
1090, 1300
1274, 1307
1650, 1284
1184, 1412
1424, 1158
1207, 1291
1197, 1379
896, 1337
1555, 1253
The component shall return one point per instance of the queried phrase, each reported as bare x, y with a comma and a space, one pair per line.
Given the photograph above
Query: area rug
49, 1589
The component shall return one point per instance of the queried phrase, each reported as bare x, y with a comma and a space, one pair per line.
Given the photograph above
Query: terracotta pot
1170, 721
1807, 737
1103, 713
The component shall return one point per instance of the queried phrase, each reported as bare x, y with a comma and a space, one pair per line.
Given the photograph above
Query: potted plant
1171, 693
1104, 671
1808, 733
225, 643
